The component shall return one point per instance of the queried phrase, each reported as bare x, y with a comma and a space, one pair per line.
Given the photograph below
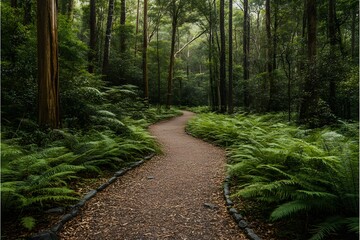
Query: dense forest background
81, 80
272, 55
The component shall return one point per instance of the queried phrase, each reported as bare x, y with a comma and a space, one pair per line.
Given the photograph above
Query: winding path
164, 198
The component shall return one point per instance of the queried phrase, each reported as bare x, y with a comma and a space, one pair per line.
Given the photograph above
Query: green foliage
295, 171
28, 222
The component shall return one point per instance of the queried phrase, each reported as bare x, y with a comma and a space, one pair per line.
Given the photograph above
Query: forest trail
164, 198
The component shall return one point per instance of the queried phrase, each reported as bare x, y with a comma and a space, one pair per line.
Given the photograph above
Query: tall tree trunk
27, 12
158, 66
172, 51
92, 43
311, 96
137, 25
122, 24
108, 37
354, 36
246, 50
269, 57
48, 67
333, 43
230, 101
222, 58
274, 49
144, 56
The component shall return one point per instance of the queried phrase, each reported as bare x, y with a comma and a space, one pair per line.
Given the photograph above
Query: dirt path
165, 197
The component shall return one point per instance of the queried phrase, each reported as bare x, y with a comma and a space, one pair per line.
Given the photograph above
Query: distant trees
276, 64
108, 37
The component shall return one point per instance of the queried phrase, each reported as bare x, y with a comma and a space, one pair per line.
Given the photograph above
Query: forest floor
176, 195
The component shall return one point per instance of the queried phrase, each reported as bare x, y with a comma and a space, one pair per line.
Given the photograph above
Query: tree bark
70, 9
158, 66
144, 56
92, 43
222, 59
48, 67
27, 12
354, 36
246, 50
122, 24
108, 38
333, 42
172, 51
269, 56
137, 25
230, 100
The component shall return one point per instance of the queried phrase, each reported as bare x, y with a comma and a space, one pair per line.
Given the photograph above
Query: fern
28, 222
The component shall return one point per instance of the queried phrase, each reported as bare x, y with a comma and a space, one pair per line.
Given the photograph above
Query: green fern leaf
28, 222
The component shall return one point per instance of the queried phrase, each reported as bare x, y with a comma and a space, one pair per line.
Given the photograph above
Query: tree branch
186, 44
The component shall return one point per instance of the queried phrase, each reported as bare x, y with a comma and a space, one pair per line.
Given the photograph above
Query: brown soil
164, 198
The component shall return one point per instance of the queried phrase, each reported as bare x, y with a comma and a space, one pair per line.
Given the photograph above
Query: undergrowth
309, 175
107, 133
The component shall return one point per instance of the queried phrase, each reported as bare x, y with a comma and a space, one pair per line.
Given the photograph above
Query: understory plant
297, 172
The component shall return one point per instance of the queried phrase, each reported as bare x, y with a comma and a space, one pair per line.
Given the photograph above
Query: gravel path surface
177, 195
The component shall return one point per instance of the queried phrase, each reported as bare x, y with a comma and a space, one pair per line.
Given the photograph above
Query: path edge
237, 217
52, 233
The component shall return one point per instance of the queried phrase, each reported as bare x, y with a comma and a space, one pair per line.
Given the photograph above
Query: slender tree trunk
230, 101
144, 56
246, 50
269, 57
172, 58
48, 67
274, 49
353, 32
92, 43
158, 66
122, 24
137, 25
108, 38
27, 12
310, 98
333, 43
222, 59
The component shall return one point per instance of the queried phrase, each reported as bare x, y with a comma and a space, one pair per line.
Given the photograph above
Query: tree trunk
48, 67
108, 38
222, 58
354, 36
122, 24
269, 57
310, 98
27, 12
333, 43
172, 58
137, 25
92, 43
246, 50
230, 100
158, 66
144, 56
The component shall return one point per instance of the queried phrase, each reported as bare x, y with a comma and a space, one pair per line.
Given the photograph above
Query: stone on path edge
237, 217
75, 209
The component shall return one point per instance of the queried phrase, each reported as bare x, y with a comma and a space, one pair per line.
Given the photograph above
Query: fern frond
28, 222
327, 227
288, 209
